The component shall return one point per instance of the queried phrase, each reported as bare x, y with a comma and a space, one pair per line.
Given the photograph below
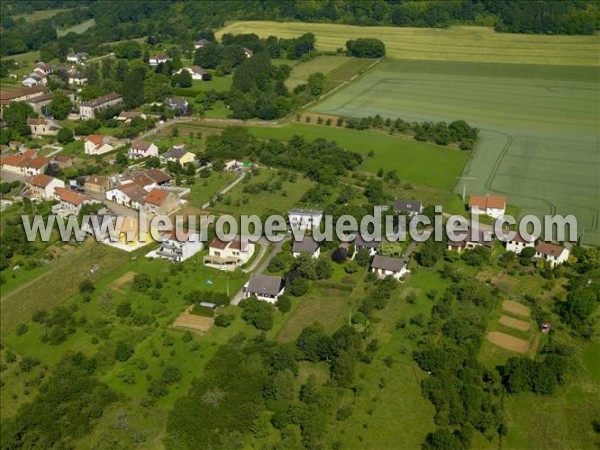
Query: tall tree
133, 90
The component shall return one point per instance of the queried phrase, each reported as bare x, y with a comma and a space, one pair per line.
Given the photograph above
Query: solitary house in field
488, 205
551, 253
77, 58
264, 287
385, 266
306, 245
304, 219
200, 43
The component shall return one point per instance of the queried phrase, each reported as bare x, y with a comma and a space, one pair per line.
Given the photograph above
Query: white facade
141, 151
92, 148
177, 250
552, 254
382, 273
304, 219
517, 245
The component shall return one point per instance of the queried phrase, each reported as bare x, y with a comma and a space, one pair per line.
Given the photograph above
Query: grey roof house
264, 287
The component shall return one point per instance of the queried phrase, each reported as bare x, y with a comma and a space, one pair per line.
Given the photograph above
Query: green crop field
415, 162
77, 29
448, 44
539, 126
323, 64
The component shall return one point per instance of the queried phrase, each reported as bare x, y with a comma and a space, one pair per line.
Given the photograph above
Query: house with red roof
553, 254
159, 201
493, 206
26, 163
96, 144
42, 187
71, 202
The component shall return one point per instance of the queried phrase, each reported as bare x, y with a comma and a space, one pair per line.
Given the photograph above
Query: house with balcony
177, 246
228, 255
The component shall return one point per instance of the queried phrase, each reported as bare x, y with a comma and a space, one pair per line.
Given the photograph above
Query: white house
307, 245
141, 149
158, 59
42, 187
131, 195
305, 219
195, 71
384, 266
96, 144
488, 205
70, 202
26, 164
177, 246
264, 287
519, 242
228, 255
87, 110
553, 254
76, 57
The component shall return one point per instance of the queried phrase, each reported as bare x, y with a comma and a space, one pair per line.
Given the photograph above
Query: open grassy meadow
450, 44
539, 126
415, 162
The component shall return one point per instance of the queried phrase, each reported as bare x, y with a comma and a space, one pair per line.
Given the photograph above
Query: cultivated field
450, 44
539, 136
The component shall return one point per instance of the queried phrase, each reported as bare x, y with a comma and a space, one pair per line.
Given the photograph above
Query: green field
448, 44
415, 162
77, 29
323, 64
539, 126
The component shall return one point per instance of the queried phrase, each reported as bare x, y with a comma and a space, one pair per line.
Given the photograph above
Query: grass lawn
459, 43
64, 275
531, 118
77, 29
324, 64
237, 202
26, 59
204, 189
415, 162
40, 15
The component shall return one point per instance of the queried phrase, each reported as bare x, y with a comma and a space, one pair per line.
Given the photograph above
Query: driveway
260, 263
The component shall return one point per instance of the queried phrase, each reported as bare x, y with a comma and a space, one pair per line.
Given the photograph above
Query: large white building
304, 219
87, 110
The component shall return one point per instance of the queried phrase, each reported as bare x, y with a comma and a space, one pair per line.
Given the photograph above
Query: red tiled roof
549, 249
9, 95
26, 159
96, 139
134, 191
156, 197
69, 196
38, 121
98, 180
487, 202
41, 180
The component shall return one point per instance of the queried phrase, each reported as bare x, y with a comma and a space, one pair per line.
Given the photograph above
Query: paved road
260, 263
